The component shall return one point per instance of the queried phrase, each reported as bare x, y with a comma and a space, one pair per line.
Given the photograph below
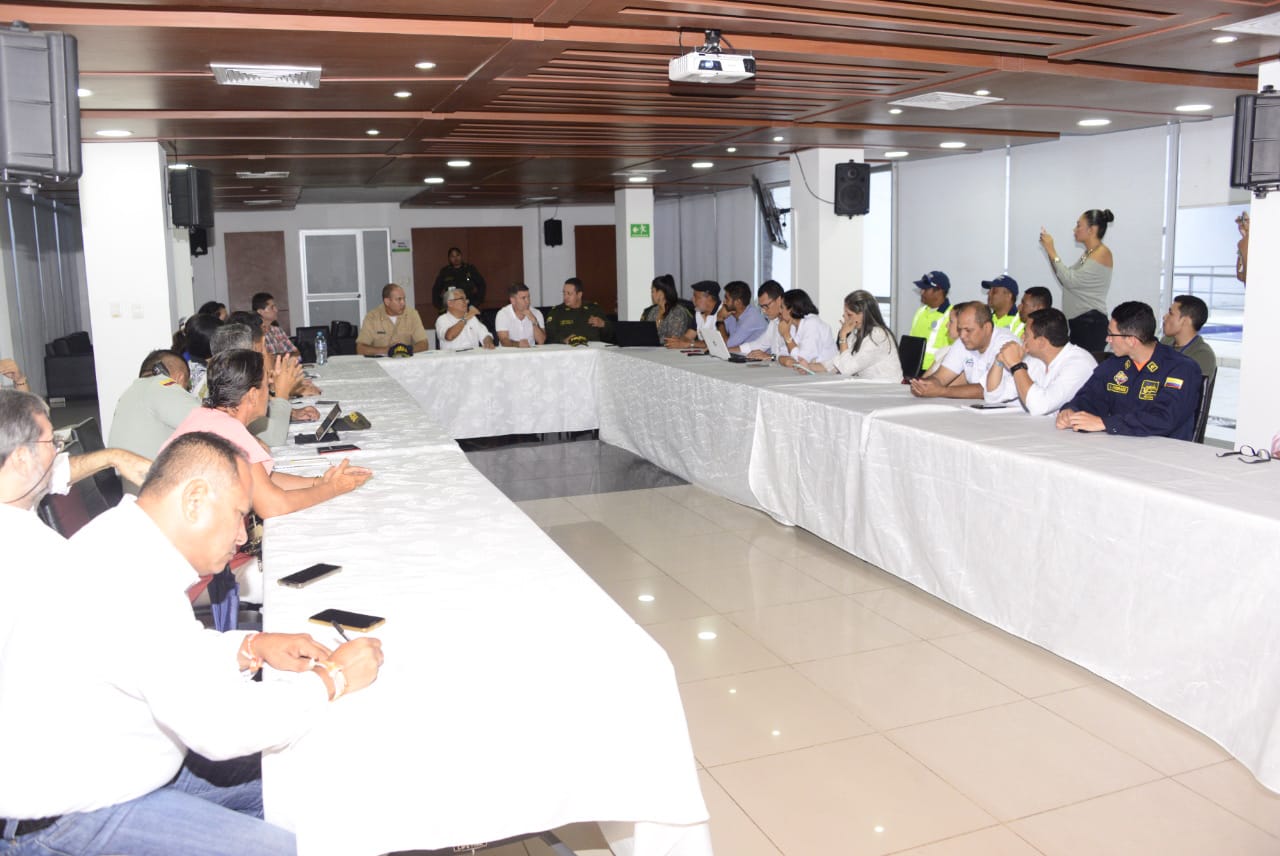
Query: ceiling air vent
263, 201
282, 76
945, 101
250, 175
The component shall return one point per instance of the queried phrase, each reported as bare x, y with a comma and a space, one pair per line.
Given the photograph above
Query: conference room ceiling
561, 101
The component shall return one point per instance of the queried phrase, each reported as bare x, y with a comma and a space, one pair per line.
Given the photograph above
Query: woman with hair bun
1085, 284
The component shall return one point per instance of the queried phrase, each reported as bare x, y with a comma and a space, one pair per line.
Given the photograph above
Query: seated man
930, 320
1182, 323
126, 778
282, 365
964, 373
1146, 389
577, 318
153, 405
706, 312
284, 374
739, 319
1049, 370
458, 328
277, 338
391, 323
520, 325
1002, 295
1033, 299
770, 341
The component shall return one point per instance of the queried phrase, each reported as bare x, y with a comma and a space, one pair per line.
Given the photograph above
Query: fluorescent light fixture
731, 149
178, 167
458, 164
280, 76
249, 175
373, 132
895, 111
638, 179
84, 93
114, 132
952, 144
1193, 108
702, 164
403, 93
1093, 123
434, 179
897, 154
982, 92
779, 138
1225, 40
424, 65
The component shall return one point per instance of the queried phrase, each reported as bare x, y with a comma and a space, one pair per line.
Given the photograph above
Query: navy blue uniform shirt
1157, 400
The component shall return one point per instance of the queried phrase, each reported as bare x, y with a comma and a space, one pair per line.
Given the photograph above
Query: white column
826, 256
184, 275
633, 215
129, 262
1258, 417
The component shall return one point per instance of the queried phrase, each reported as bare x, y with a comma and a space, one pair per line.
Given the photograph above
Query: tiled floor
532, 469
839, 711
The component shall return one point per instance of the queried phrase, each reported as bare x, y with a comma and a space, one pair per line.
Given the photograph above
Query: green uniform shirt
1012, 321
1199, 350
563, 322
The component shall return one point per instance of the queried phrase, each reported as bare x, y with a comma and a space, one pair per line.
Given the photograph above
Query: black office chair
305, 339
636, 334
911, 355
87, 498
1202, 412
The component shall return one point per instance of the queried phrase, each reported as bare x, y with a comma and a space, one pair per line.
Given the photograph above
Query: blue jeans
210, 809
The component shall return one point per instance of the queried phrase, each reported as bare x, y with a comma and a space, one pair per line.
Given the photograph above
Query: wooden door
595, 253
255, 262
496, 251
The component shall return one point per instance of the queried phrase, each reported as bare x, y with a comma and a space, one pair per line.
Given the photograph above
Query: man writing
519, 325
391, 323
574, 317
1048, 370
458, 328
1146, 389
964, 372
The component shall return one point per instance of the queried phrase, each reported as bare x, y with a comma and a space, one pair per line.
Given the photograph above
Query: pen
341, 632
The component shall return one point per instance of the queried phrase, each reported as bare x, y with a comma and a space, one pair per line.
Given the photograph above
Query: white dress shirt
1056, 384
814, 340
974, 365
472, 335
702, 322
769, 342
105, 687
518, 330
877, 359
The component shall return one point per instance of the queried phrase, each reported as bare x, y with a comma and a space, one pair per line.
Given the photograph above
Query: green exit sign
640, 230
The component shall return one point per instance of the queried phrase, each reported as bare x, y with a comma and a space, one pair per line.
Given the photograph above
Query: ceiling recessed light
982, 92
435, 179
251, 175
114, 132
894, 111
638, 179
898, 154
458, 164
1093, 123
702, 164
731, 149
424, 65
1193, 108
1224, 40
778, 138
952, 144
645, 598
373, 132
179, 166
707, 635
84, 93
403, 93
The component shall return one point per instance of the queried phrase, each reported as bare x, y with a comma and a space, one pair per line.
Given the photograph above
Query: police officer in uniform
930, 321
1146, 390
458, 274
1002, 297
575, 317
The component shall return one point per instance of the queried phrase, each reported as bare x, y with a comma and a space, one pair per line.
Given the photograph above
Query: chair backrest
308, 334
489, 318
637, 334
911, 355
61, 347
341, 329
87, 498
80, 343
1202, 412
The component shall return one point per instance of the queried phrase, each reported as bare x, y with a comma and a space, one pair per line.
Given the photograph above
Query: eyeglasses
1248, 455
1118, 335
58, 443
452, 299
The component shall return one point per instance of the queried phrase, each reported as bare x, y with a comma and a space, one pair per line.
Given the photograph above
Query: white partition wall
1051, 184
952, 216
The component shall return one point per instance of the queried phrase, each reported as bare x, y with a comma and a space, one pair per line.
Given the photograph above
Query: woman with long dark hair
806, 338
671, 316
1086, 283
865, 346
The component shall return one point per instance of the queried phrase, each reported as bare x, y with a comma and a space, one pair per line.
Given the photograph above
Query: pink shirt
228, 428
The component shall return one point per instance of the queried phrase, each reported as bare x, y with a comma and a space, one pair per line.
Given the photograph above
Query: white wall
1204, 165
545, 268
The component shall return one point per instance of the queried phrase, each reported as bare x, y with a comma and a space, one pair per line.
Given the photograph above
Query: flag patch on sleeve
1173, 382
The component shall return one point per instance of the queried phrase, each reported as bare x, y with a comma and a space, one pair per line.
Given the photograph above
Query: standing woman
1085, 284
865, 347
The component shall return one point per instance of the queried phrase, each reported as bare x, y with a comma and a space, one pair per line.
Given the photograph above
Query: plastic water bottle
322, 349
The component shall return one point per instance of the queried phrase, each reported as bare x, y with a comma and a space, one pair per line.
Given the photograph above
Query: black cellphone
349, 620
324, 402
307, 576
985, 406
374, 356
340, 447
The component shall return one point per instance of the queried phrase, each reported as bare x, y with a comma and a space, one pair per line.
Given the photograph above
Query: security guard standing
930, 321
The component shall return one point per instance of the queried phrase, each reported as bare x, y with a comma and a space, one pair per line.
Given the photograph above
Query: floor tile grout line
744, 811
1225, 808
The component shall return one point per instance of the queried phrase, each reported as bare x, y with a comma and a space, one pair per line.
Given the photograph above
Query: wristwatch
1013, 368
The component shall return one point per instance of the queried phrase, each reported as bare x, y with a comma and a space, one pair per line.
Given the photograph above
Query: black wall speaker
853, 189
39, 108
199, 242
553, 232
1255, 145
191, 197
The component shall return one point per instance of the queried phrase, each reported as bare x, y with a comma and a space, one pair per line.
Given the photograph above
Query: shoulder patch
1173, 382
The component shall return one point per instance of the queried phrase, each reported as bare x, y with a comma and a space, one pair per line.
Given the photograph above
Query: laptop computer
717, 348
324, 433
636, 334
